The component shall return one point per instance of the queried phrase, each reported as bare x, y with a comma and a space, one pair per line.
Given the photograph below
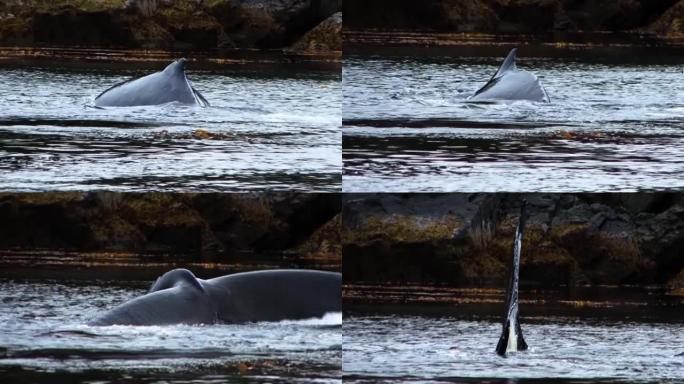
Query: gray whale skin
160, 87
510, 83
178, 297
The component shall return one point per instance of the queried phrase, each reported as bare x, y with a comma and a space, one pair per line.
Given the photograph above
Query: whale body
178, 297
161, 87
511, 83
511, 333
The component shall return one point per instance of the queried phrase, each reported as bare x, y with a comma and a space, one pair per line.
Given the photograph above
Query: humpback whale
160, 87
511, 83
511, 334
178, 297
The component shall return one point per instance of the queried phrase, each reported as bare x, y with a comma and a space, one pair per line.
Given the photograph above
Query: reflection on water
264, 130
44, 338
454, 348
609, 127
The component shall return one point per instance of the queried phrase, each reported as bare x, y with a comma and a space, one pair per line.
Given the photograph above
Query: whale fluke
511, 333
510, 83
161, 87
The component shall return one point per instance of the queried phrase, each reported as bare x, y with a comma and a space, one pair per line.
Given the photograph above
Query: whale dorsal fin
173, 278
508, 64
177, 67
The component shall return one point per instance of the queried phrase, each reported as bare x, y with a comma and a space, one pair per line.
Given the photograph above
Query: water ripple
609, 127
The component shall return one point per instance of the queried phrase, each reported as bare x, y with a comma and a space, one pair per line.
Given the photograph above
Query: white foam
330, 318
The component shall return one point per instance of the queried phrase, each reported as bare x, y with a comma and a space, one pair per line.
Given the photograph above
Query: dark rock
326, 36
671, 23
516, 16
183, 24
205, 225
462, 239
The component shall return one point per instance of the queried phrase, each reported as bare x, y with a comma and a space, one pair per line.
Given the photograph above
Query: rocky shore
305, 26
465, 240
209, 228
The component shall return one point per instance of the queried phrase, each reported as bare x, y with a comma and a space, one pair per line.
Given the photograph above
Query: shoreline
485, 299
329, 61
402, 42
127, 265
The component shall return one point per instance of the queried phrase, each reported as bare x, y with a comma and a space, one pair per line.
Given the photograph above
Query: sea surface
45, 339
613, 124
451, 347
273, 127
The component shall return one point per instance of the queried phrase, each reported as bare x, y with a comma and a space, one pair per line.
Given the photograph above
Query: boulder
326, 36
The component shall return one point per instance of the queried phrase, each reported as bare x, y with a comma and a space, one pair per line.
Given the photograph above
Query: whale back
161, 87
175, 298
510, 83
178, 297
275, 295
511, 333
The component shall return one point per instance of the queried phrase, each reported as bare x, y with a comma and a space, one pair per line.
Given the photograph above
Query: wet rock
516, 16
325, 243
182, 24
208, 226
676, 284
671, 23
326, 36
468, 239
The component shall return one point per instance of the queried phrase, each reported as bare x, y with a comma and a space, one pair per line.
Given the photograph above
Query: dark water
44, 339
609, 126
270, 129
454, 347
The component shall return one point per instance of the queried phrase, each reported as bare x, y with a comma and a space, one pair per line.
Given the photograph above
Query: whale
161, 87
511, 338
510, 83
178, 297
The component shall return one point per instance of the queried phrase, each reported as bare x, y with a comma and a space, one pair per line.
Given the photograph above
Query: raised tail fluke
511, 332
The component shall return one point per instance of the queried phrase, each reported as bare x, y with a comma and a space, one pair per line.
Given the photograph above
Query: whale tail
511, 333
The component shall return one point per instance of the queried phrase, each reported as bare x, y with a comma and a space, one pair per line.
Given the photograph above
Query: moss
676, 284
482, 267
671, 23
83, 5
326, 36
160, 209
325, 242
43, 197
148, 32
403, 229
115, 233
